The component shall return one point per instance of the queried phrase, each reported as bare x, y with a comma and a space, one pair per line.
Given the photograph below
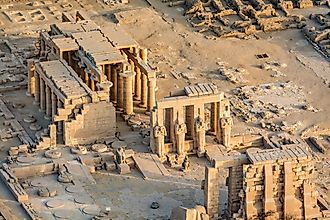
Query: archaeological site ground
165, 109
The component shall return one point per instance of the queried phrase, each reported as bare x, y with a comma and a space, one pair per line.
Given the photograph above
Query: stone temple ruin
95, 117
179, 122
93, 82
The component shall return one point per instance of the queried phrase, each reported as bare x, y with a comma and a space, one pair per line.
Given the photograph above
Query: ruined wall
279, 190
96, 121
264, 184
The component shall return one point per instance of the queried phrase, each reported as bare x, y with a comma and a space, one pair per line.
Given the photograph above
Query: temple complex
164, 110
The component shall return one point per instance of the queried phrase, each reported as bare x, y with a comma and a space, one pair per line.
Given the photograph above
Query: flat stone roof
97, 48
201, 89
66, 44
68, 28
64, 78
118, 37
272, 155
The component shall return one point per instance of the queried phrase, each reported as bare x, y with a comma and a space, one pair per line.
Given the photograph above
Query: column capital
127, 74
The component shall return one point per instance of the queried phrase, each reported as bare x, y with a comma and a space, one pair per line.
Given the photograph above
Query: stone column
48, 103
144, 90
151, 94
92, 85
42, 96
120, 95
86, 78
144, 54
54, 105
37, 89
132, 65
31, 82
114, 89
52, 135
137, 94
128, 97
269, 202
59, 123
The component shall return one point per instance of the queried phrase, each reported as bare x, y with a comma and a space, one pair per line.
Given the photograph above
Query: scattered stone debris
274, 67
269, 102
217, 17
234, 75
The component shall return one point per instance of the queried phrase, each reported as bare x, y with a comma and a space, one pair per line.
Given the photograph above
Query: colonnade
44, 96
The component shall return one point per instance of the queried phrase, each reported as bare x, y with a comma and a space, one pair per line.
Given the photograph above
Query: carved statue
200, 134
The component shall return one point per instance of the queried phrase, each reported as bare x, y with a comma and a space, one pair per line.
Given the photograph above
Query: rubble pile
239, 18
234, 75
274, 67
266, 104
115, 2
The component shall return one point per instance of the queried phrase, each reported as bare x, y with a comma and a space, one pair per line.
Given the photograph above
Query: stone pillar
31, 80
128, 97
151, 94
114, 88
269, 202
48, 103
52, 135
132, 65
144, 54
86, 77
137, 94
37, 89
159, 135
200, 135
214, 118
59, 123
54, 105
289, 205
225, 127
144, 91
42, 96
212, 192
180, 131
92, 85
120, 94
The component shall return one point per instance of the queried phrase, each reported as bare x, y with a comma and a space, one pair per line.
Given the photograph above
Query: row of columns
187, 122
43, 95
